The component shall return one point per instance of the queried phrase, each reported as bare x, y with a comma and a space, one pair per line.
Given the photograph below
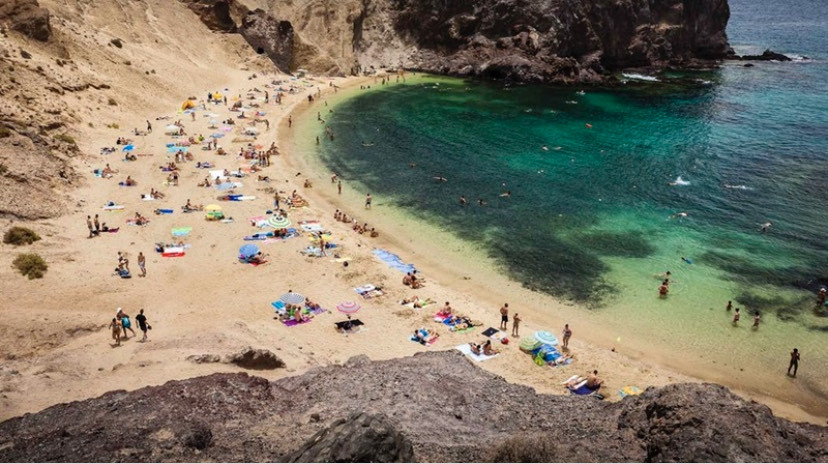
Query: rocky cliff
527, 40
430, 407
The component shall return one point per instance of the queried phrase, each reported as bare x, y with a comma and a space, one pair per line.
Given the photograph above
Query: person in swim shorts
504, 316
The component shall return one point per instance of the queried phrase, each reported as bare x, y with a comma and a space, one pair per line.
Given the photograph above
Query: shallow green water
588, 218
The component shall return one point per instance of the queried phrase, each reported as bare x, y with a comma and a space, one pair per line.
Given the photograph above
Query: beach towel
352, 326
173, 252
113, 207
227, 185
164, 211
490, 331
293, 323
429, 343
582, 389
393, 261
368, 291
466, 349
181, 231
629, 390
258, 221
311, 227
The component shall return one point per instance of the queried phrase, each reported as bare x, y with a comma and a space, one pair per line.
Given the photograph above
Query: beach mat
393, 261
466, 349
490, 331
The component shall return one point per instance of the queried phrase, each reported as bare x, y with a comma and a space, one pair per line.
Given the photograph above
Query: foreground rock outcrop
526, 40
26, 17
430, 407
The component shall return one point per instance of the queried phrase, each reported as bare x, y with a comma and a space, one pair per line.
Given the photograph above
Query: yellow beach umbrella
212, 208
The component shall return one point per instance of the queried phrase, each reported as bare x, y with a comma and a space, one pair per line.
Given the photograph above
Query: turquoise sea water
588, 219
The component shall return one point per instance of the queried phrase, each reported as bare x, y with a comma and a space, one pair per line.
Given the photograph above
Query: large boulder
359, 438
259, 359
269, 36
26, 17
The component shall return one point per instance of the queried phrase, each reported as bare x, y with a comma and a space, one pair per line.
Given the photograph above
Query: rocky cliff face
26, 17
527, 40
430, 407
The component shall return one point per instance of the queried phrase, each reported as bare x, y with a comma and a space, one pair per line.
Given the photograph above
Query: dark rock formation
269, 36
26, 17
359, 438
250, 358
430, 407
527, 40
215, 14
767, 55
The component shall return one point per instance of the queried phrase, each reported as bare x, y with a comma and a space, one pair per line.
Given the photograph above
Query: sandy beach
56, 346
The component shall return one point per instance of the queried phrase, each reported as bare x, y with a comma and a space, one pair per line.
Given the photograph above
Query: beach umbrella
248, 250
529, 344
212, 208
279, 222
348, 307
292, 298
545, 337
171, 128
217, 135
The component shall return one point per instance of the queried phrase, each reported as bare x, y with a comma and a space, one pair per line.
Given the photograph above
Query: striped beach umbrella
545, 337
292, 298
279, 222
348, 307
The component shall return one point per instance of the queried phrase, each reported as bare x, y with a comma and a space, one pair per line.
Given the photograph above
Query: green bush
66, 138
30, 265
20, 236
3, 169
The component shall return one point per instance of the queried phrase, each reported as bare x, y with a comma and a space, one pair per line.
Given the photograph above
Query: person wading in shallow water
794, 362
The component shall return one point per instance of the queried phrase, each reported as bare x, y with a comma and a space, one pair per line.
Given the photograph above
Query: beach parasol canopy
292, 298
248, 250
171, 128
217, 135
278, 222
529, 343
212, 208
547, 338
348, 307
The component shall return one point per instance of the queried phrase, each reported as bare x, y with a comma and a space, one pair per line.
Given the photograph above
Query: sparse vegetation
128, 63
524, 449
3, 169
4, 132
30, 265
117, 42
20, 235
112, 102
66, 138
113, 125
26, 55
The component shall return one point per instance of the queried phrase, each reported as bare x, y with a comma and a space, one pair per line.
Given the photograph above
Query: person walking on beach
515, 325
567, 333
368, 201
821, 296
149, 127
290, 120
90, 226
127, 325
504, 316
756, 320
736, 317
115, 327
142, 264
339, 187
142, 324
729, 306
794, 362
97, 225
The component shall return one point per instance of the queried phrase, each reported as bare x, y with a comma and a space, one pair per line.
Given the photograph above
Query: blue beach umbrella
545, 337
248, 250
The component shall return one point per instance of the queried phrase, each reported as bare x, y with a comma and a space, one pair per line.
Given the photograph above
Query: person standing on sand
736, 317
515, 325
567, 333
115, 327
90, 226
142, 264
821, 296
290, 120
97, 225
149, 127
142, 324
339, 187
368, 201
504, 316
276, 200
729, 306
127, 325
794, 362
756, 320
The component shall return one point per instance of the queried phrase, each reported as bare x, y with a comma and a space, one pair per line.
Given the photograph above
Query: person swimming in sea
686, 260
766, 226
506, 194
440, 178
679, 215
463, 201
544, 148
481, 202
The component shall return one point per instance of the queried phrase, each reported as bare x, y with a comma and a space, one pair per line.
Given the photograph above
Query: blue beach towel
393, 261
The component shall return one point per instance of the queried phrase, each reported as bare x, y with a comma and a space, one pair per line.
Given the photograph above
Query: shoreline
490, 286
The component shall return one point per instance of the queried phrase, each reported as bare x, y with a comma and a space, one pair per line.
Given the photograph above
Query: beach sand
55, 343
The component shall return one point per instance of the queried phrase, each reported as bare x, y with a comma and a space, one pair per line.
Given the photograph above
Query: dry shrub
30, 265
20, 236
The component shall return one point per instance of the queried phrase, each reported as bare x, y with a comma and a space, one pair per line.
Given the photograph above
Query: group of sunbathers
411, 280
418, 303
360, 229
424, 336
189, 207
484, 348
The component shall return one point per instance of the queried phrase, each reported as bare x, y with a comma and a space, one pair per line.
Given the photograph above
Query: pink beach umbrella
348, 307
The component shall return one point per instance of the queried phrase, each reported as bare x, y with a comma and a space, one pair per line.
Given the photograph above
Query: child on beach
115, 326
